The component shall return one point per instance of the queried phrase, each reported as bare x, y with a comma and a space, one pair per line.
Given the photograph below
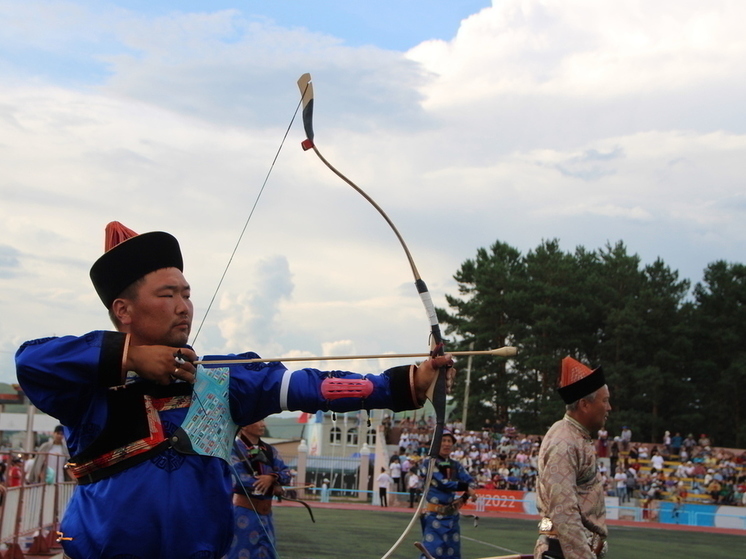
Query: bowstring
246, 223
240, 237
217, 290
335, 431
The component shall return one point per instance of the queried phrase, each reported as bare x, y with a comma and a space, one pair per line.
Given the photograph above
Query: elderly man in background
570, 492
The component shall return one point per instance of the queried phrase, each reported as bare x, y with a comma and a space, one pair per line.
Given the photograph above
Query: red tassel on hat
116, 233
125, 262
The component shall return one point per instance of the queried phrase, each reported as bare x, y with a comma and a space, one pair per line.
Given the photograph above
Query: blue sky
390, 25
590, 121
387, 25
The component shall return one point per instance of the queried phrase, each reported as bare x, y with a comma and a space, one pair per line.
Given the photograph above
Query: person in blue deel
441, 532
259, 473
149, 430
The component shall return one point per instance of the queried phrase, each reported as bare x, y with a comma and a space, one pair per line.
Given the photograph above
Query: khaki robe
570, 490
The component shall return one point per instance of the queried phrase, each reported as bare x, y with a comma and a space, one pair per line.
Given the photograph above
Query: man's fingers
186, 372
185, 354
183, 367
162, 364
188, 368
442, 361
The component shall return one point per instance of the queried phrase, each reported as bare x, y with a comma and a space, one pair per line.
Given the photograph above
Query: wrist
420, 401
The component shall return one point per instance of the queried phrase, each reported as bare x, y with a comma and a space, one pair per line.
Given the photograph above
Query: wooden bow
438, 397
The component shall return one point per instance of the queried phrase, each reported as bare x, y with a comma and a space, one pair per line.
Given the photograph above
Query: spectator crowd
681, 469
497, 460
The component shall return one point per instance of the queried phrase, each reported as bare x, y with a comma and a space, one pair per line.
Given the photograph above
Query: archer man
149, 432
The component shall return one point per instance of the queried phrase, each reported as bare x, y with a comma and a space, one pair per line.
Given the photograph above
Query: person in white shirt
657, 462
395, 470
384, 482
414, 486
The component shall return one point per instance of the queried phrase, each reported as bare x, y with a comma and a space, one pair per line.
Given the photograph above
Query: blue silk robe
173, 505
441, 533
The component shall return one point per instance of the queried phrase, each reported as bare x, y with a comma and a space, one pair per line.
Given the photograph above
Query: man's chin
179, 339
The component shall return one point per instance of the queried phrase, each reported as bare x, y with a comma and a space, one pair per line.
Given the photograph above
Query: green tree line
674, 355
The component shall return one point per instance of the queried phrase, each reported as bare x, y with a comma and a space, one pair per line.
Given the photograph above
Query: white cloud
251, 316
584, 48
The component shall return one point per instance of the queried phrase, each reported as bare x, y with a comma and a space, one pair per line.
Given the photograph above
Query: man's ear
583, 405
121, 310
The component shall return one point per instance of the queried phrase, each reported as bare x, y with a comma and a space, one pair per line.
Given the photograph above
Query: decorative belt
89, 470
445, 510
260, 506
546, 528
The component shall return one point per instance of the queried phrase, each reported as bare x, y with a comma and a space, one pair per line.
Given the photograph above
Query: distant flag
303, 417
319, 416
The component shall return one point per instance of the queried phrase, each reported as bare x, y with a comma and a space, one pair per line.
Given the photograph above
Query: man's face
255, 430
446, 446
161, 313
597, 412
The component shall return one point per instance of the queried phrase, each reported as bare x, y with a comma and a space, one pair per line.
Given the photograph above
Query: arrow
499, 352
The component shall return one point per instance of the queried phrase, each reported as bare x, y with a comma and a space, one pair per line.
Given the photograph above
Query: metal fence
29, 517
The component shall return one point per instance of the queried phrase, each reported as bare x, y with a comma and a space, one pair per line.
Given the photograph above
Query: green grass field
341, 534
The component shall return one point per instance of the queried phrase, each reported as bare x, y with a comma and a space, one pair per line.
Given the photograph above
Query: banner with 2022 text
501, 500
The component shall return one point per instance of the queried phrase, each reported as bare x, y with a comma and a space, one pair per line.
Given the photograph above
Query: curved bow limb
423, 550
302, 502
307, 99
437, 394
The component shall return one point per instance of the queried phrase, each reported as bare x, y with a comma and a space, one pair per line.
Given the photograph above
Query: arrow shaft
500, 352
